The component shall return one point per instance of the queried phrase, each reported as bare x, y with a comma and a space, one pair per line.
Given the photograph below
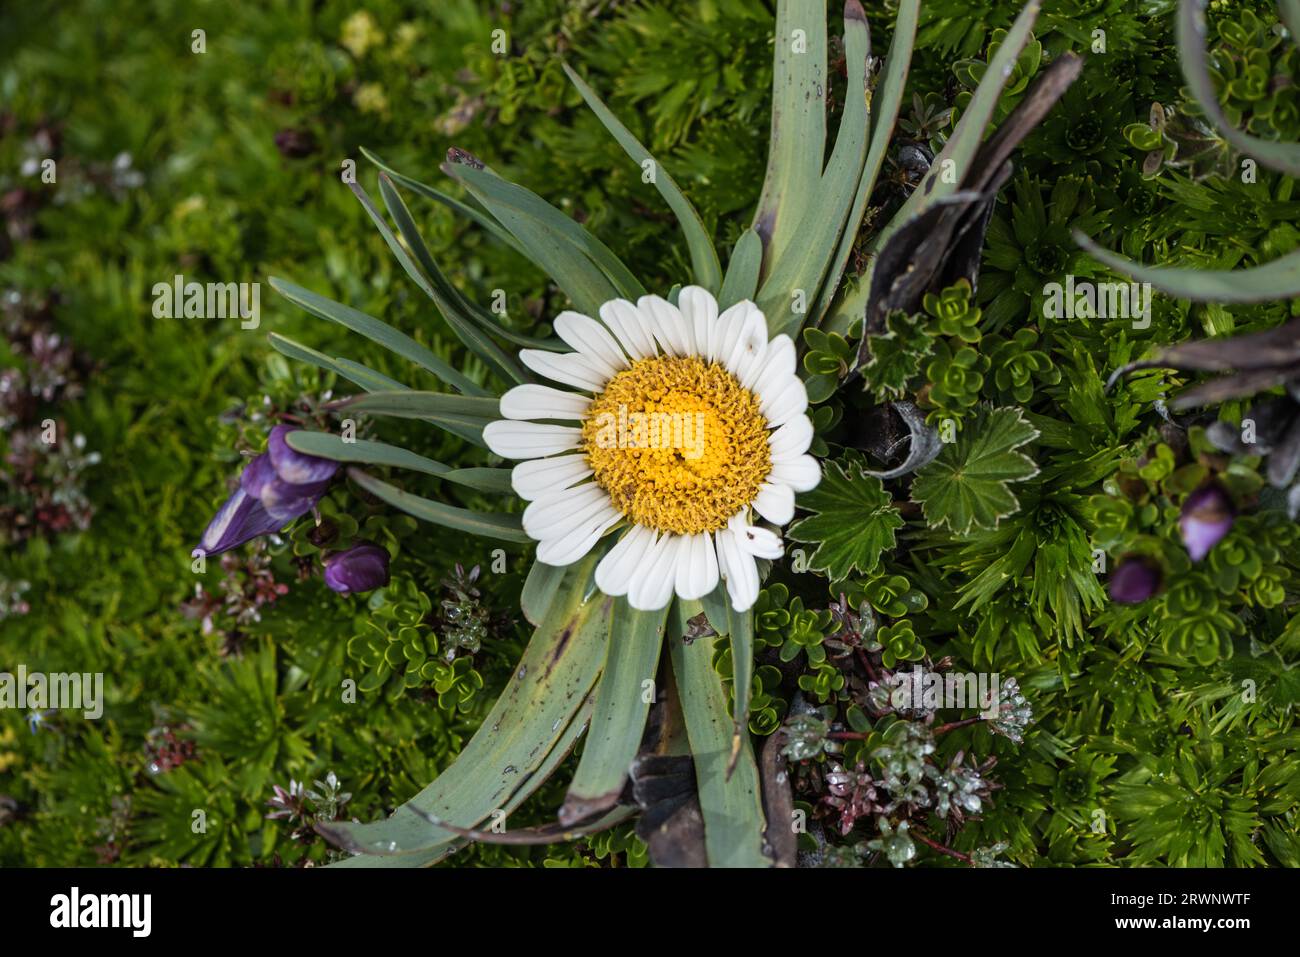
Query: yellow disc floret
677, 443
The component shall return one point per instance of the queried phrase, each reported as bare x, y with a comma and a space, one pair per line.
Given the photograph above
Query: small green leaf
967, 486
854, 524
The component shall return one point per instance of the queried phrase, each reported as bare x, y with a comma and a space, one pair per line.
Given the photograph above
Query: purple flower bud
275, 488
1134, 580
241, 519
1207, 516
363, 567
295, 144
294, 467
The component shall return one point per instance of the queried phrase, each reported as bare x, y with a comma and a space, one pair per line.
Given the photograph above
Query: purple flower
1207, 516
275, 488
295, 144
1134, 580
363, 567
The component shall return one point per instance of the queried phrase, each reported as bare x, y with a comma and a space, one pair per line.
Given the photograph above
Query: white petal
740, 571
529, 440
629, 327
653, 588
778, 361
775, 503
783, 401
538, 477
791, 439
569, 548
571, 368
725, 332
801, 474
554, 516
531, 401
667, 324
592, 340
697, 568
751, 344
701, 312
754, 539
621, 563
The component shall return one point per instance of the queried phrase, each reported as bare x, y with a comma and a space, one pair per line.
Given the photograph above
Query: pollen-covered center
677, 443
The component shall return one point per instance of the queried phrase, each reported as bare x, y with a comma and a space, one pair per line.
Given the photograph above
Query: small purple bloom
241, 519
275, 488
1207, 516
363, 567
295, 467
1134, 580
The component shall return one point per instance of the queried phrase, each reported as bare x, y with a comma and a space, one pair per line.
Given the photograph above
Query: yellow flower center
677, 443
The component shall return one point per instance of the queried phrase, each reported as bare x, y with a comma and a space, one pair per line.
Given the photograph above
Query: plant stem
954, 725
931, 843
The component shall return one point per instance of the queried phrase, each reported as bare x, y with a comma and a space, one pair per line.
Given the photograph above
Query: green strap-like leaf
376, 331
1279, 279
794, 279
504, 757
1284, 157
731, 804
423, 269
952, 166
329, 446
622, 707
743, 270
798, 141
584, 267
497, 525
483, 317
464, 415
540, 588
717, 607
1290, 12
432, 855
354, 372
704, 258
455, 205
740, 629
885, 103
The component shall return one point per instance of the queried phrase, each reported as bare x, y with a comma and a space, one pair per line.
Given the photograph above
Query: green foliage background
1133, 718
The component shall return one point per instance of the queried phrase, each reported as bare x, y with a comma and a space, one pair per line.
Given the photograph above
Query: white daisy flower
678, 423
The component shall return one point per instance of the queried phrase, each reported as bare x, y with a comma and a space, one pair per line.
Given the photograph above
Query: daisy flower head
680, 427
